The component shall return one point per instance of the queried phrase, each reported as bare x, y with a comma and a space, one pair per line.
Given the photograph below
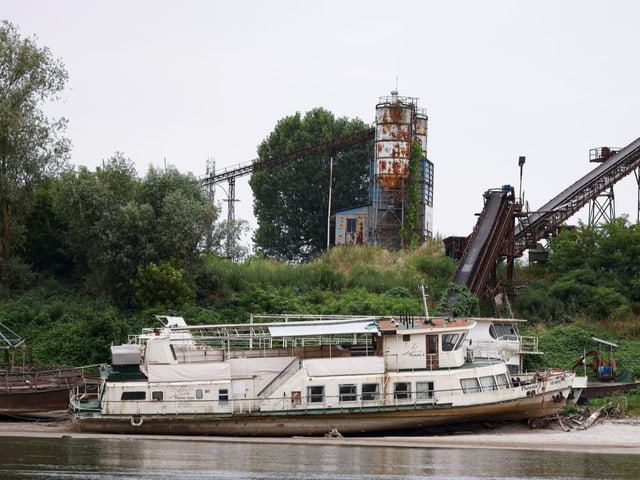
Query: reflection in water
110, 459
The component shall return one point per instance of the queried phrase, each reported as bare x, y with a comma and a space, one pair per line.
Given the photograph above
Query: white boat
308, 376
498, 339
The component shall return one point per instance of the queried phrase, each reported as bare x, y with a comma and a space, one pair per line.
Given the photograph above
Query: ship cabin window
199, 395
352, 225
223, 396
296, 397
470, 385
488, 383
402, 390
424, 390
406, 338
449, 341
502, 381
348, 393
133, 396
513, 369
315, 394
157, 395
503, 331
369, 392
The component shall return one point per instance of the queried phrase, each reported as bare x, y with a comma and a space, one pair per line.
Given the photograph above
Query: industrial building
396, 186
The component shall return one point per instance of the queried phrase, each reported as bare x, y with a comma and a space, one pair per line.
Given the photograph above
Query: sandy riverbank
605, 436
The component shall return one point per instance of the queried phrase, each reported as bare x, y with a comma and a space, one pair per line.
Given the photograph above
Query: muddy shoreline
619, 436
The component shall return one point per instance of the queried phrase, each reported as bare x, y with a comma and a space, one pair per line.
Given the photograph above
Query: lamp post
521, 161
329, 207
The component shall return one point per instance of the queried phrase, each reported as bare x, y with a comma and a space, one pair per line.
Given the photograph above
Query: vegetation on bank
66, 324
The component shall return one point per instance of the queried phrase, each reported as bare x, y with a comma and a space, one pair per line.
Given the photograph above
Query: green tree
87, 203
32, 147
226, 239
183, 214
44, 243
291, 201
118, 224
163, 285
592, 272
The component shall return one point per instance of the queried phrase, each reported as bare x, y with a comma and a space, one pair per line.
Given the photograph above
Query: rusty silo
425, 176
394, 129
398, 123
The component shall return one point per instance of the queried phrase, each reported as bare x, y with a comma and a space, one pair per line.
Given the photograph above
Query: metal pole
521, 161
424, 299
329, 207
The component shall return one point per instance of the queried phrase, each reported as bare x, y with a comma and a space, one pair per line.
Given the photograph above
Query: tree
44, 248
117, 224
226, 239
183, 214
592, 272
32, 147
163, 285
291, 201
84, 201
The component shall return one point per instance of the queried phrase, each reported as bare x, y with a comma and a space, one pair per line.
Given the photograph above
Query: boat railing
509, 338
50, 377
504, 346
295, 317
223, 342
484, 350
529, 344
85, 398
257, 327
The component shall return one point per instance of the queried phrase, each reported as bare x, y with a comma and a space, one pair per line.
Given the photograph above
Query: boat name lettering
413, 350
180, 393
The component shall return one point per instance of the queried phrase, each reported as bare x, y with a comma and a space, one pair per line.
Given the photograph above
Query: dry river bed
607, 435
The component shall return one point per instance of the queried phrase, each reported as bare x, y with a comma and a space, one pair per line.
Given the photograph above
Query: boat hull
376, 420
602, 389
33, 401
39, 391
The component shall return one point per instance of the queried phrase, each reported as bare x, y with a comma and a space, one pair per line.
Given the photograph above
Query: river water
111, 459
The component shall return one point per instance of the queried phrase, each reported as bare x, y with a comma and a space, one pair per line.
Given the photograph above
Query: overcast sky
179, 82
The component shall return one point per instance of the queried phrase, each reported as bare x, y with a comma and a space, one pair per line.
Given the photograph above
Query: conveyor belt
495, 235
487, 242
541, 223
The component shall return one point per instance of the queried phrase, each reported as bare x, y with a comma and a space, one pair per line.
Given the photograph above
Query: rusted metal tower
399, 122
602, 208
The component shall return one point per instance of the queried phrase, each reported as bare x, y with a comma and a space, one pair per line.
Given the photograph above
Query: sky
178, 83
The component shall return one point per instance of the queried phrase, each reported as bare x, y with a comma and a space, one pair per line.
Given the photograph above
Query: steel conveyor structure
272, 162
496, 236
230, 174
492, 239
538, 225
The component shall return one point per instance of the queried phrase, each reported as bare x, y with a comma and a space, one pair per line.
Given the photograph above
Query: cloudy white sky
179, 82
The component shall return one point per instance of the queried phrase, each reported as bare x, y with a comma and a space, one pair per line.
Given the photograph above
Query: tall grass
371, 268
